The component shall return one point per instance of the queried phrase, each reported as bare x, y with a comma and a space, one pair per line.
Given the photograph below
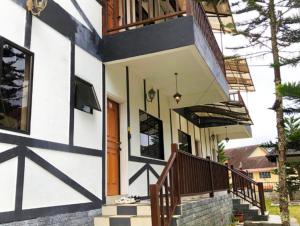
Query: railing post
155, 214
228, 178
211, 177
174, 149
261, 197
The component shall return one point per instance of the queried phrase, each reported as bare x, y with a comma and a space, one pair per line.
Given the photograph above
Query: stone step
272, 221
123, 220
241, 207
126, 209
236, 201
128, 220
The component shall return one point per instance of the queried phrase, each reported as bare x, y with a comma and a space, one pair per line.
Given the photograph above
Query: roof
232, 112
239, 157
219, 15
238, 75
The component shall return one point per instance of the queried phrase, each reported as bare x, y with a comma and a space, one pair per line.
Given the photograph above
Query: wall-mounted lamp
213, 137
227, 138
36, 6
151, 95
177, 96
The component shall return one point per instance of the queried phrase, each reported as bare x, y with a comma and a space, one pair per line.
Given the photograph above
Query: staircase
125, 215
251, 213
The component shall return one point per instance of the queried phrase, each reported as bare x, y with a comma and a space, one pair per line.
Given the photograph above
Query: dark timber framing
104, 100
22, 152
64, 23
72, 95
28, 29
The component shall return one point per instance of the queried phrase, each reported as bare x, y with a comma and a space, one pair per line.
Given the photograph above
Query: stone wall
70, 219
215, 211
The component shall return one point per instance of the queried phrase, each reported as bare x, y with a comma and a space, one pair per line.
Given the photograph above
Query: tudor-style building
88, 109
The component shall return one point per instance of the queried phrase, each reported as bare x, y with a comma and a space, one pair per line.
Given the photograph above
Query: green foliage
221, 153
256, 28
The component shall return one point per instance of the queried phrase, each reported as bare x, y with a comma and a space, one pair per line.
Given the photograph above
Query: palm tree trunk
283, 194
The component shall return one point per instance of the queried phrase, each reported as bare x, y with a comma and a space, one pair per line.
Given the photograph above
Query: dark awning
238, 75
219, 15
232, 112
85, 96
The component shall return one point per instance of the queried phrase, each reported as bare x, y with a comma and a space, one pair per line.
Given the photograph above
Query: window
151, 136
250, 175
184, 142
264, 175
85, 96
15, 86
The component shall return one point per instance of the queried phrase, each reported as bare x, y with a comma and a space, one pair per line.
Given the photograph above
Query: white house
87, 117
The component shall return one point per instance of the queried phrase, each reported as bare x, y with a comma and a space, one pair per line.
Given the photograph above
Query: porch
191, 191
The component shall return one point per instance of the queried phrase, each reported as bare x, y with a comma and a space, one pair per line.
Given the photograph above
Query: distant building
253, 159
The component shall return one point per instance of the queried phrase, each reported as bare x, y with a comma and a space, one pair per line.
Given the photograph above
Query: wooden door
113, 149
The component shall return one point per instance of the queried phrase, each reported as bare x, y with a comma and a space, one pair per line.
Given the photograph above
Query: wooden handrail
186, 174
115, 20
246, 188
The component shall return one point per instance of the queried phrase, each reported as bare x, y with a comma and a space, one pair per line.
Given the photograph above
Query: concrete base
71, 219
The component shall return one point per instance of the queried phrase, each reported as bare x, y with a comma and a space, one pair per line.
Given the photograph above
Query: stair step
130, 209
236, 201
127, 220
241, 207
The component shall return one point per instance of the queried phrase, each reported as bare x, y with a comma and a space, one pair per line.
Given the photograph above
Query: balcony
174, 34
125, 15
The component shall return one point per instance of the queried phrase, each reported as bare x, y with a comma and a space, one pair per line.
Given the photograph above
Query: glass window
250, 175
15, 86
151, 136
264, 174
85, 96
184, 142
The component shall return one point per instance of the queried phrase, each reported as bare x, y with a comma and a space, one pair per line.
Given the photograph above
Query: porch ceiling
196, 82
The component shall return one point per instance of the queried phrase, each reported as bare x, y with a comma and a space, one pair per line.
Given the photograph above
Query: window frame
161, 137
30, 83
265, 173
189, 141
94, 92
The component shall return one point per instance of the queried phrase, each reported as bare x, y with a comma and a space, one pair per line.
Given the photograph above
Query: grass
274, 210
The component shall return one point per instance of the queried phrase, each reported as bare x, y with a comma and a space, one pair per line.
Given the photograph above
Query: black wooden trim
9, 154
147, 160
20, 179
82, 14
104, 100
153, 171
72, 95
148, 181
200, 134
60, 175
64, 23
179, 121
52, 146
138, 173
128, 110
28, 214
101, 2
145, 95
205, 141
28, 29
158, 104
171, 126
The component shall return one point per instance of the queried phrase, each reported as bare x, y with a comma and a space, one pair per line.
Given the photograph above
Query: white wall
116, 90
50, 113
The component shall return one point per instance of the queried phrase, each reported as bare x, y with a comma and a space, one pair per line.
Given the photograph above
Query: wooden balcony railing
122, 15
246, 188
186, 174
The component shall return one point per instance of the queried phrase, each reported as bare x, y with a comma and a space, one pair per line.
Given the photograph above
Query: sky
259, 102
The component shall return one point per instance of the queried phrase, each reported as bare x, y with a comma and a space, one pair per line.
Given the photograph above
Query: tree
291, 91
221, 153
273, 27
